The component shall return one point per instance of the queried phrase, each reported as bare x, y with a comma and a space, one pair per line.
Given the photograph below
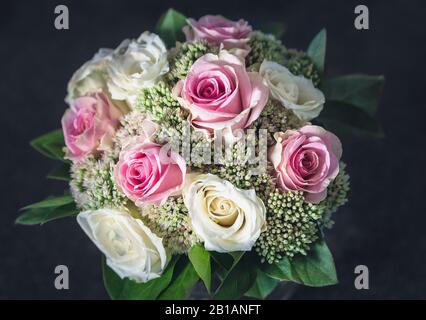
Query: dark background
383, 226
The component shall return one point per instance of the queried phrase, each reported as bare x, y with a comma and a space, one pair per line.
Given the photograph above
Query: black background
383, 226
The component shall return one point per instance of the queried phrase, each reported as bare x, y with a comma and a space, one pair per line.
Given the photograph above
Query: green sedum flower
183, 57
92, 184
291, 226
131, 126
264, 46
337, 196
164, 109
236, 169
276, 118
171, 222
172, 121
300, 64
159, 103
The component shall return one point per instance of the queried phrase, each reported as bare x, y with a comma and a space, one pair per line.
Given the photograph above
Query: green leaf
169, 27
238, 280
283, 270
50, 144
219, 267
315, 269
126, 289
60, 173
360, 90
277, 29
344, 119
35, 216
200, 259
181, 286
263, 285
223, 260
51, 202
113, 283
317, 48
236, 255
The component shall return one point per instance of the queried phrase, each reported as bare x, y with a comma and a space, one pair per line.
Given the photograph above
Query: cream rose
90, 77
294, 92
131, 249
136, 64
224, 217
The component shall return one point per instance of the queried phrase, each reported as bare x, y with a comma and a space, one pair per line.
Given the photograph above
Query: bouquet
206, 151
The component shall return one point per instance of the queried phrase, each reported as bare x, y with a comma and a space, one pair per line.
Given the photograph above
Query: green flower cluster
92, 184
159, 103
264, 46
172, 122
183, 57
236, 169
337, 195
131, 126
299, 63
239, 176
276, 118
291, 226
170, 221
201, 147
165, 110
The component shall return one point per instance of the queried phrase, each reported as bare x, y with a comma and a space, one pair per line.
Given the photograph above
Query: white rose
224, 217
90, 77
294, 92
136, 65
131, 249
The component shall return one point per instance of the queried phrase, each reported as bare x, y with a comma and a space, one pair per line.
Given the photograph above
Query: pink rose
148, 173
218, 30
219, 93
88, 125
306, 160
